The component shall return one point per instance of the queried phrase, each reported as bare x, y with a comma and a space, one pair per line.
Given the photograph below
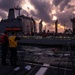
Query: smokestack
73, 25
40, 27
56, 26
11, 14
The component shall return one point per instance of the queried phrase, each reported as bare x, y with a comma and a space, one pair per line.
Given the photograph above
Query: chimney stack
56, 26
11, 14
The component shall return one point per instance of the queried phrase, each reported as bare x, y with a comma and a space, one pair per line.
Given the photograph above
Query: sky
46, 10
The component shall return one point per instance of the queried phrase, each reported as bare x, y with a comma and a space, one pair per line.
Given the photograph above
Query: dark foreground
27, 68
38, 61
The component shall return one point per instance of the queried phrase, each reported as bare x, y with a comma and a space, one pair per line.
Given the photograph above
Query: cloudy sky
47, 10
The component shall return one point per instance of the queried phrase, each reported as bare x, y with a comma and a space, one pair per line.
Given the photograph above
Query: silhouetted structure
18, 9
11, 14
73, 25
22, 24
56, 26
40, 27
33, 23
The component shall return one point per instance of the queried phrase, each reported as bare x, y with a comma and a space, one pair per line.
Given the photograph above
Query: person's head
5, 32
13, 33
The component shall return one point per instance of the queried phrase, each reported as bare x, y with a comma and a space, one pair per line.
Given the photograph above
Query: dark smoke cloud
64, 4
64, 18
57, 2
61, 3
70, 6
43, 9
2, 14
6, 4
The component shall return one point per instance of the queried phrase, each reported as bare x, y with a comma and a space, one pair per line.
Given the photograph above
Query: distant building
73, 25
22, 24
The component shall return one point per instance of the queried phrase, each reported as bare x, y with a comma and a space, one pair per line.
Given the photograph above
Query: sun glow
27, 6
60, 28
0, 18
54, 18
44, 24
51, 2
54, 11
73, 12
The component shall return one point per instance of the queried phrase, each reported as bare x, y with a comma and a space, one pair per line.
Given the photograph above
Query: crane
18, 9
